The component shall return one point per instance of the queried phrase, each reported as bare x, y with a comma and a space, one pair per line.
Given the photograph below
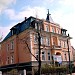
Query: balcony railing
56, 47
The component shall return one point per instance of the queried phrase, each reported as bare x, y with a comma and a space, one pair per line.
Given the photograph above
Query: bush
52, 69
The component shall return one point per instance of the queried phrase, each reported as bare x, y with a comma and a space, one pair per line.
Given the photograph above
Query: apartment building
73, 50
19, 49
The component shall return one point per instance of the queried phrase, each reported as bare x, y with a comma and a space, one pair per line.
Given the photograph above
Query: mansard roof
20, 27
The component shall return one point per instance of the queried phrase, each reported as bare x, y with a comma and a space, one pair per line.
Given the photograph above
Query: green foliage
52, 69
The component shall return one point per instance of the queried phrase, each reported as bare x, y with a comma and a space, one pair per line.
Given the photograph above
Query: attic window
12, 32
35, 25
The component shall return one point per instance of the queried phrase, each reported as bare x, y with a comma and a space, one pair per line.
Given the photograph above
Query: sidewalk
72, 74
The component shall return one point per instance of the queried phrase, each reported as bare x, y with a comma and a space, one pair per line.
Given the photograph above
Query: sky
14, 11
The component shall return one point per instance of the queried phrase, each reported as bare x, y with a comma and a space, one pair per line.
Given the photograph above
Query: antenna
36, 13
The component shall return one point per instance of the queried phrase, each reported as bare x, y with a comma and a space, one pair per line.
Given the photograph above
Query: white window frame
49, 55
43, 55
42, 40
0, 46
12, 45
35, 38
36, 26
65, 55
47, 41
12, 32
58, 31
64, 44
8, 60
7, 47
53, 30
59, 43
12, 59
47, 28
37, 54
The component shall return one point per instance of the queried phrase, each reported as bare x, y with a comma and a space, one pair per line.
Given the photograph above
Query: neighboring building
73, 50
21, 45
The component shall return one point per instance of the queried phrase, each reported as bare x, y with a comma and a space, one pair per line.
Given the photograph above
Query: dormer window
36, 26
63, 31
12, 32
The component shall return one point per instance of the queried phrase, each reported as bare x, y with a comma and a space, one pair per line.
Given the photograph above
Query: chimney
25, 18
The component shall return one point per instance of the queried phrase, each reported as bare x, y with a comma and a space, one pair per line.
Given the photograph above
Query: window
58, 31
12, 59
48, 55
54, 40
8, 60
43, 55
47, 41
39, 27
65, 44
47, 28
42, 40
12, 32
7, 47
35, 25
53, 30
12, 45
0, 46
65, 56
35, 38
37, 56
59, 42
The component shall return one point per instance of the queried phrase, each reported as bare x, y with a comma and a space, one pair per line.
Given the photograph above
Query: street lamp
69, 56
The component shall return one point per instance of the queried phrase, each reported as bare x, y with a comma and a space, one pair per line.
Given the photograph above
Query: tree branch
30, 51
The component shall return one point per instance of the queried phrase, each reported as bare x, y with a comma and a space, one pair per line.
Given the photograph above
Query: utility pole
69, 56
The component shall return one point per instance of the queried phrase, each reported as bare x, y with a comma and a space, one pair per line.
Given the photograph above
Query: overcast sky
14, 11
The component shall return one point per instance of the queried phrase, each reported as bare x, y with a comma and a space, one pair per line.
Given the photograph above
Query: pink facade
23, 46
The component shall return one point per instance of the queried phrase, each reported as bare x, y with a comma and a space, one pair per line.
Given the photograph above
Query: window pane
42, 40
43, 55
12, 59
53, 30
12, 45
37, 54
47, 28
8, 62
7, 47
47, 41
48, 55
35, 38
35, 25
